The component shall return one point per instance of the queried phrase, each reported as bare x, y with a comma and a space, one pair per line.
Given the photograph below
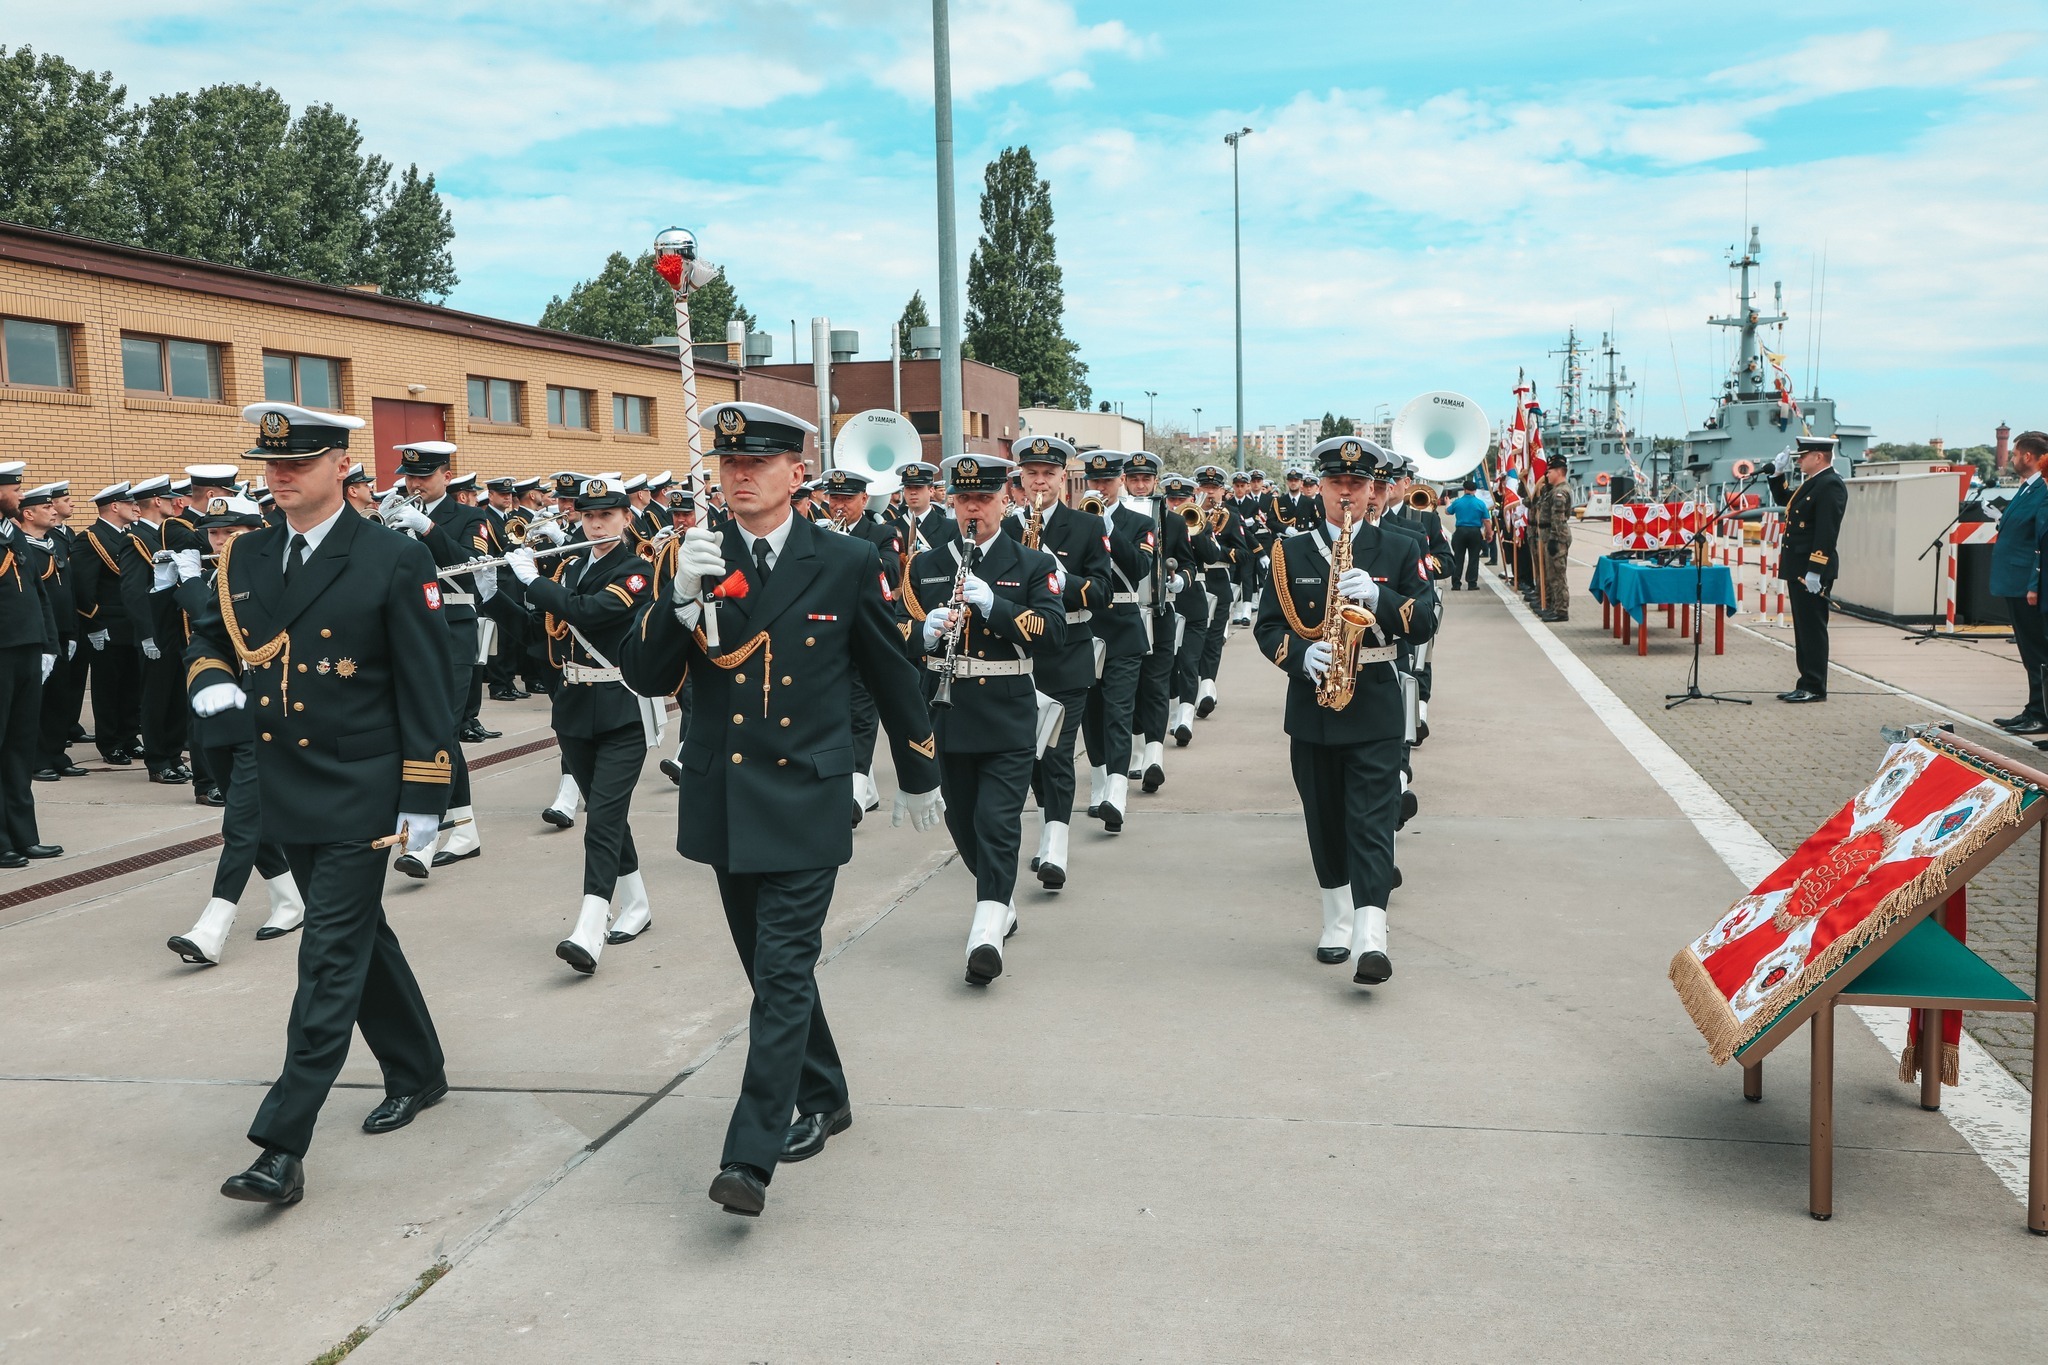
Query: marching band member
604, 730
116, 677
560, 527
682, 514
42, 513
151, 616
1124, 631
329, 629
1080, 543
1192, 604
453, 534
360, 491
1227, 528
1149, 714
978, 654
507, 607
846, 494
925, 527
768, 763
228, 739
28, 656
1346, 756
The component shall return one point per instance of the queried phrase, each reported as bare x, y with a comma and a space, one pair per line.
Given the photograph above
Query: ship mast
1569, 374
1614, 419
1747, 380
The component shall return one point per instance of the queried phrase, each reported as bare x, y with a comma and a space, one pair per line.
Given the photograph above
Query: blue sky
1432, 193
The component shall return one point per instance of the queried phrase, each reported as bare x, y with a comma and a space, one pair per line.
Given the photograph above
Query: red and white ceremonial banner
1656, 525
1889, 849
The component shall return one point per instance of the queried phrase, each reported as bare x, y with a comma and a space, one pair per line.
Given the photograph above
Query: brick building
117, 363
988, 397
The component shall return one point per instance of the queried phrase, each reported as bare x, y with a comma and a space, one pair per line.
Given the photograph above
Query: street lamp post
951, 405
1198, 424
1150, 395
1237, 282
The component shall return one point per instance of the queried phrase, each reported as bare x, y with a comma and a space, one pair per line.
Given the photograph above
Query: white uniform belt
1075, 617
983, 668
581, 673
1122, 597
459, 599
1384, 655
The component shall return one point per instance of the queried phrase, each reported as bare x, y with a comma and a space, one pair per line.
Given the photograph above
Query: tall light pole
1150, 394
951, 405
1198, 424
1237, 279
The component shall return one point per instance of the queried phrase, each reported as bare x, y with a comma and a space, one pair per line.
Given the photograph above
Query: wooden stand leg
1643, 634
1607, 616
1820, 1160
1753, 1082
1685, 621
1930, 1060
1671, 616
1720, 629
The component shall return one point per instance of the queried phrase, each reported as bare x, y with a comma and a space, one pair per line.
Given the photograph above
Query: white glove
520, 562
150, 651
49, 666
1357, 585
406, 517
98, 640
935, 626
71, 649
187, 562
546, 533
420, 831
923, 808
163, 575
702, 557
1783, 461
1265, 561
979, 595
211, 701
1812, 582
1316, 661
1177, 583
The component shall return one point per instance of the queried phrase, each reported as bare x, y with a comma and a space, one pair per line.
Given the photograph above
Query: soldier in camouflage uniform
1551, 514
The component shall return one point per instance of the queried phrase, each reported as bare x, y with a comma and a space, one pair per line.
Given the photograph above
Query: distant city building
1084, 430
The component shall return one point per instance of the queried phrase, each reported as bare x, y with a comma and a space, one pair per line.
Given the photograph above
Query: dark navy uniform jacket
1080, 542
348, 676
768, 759
1000, 714
96, 583
1133, 541
599, 598
1813, 525
25, 615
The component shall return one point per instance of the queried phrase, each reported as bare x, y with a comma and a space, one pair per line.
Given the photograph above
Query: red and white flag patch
636, 582
887, 595
1052, 583
433, 595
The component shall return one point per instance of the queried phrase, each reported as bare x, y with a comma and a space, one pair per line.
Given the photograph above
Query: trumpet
1422, 499
1192, 515
526, 527
1092, 503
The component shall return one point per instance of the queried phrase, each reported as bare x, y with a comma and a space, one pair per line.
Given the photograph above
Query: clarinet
956, 622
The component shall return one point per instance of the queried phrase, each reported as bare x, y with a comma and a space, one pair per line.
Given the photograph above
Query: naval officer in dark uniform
1347, 762
28, 655
768, 763
1808, 558
328, 629
116, 679
1009, 610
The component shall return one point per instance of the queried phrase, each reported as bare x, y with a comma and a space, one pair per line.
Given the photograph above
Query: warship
1594, 438
1756, 415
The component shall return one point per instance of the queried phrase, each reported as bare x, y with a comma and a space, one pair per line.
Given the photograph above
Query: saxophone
1344, 626
1034, 525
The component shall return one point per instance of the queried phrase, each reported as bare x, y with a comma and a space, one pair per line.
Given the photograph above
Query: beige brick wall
99, 433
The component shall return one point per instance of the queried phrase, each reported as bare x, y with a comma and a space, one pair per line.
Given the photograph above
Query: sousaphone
1444, 433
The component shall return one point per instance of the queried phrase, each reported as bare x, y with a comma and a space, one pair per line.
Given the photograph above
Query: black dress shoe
69, 769
740, 1189
1409, 805
399, 1110
208, 796
1182, 736
1112, 818
505, 694
1051, 876
44, 851
444, 857
1373, 968
410, 865
120, 758
276, 1177
168, 777
807, 1135
1802, 695
2024, 725
11, 860
48, 775
1421, 732
672, 770
1155, 778
1332, 955
519, 693
1205, 706
1396, 883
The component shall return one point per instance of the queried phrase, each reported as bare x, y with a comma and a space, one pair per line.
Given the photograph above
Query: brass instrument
525, 528
1192, 515
1219, 517
956, 620
1344, 626
1034, 525
1422, 499
1092, 503
499, 561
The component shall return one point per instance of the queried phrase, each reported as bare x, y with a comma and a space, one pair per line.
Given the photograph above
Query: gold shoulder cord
735, 658
1285, 591
910, 602
251, 658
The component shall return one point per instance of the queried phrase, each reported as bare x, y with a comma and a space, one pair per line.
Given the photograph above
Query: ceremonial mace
675, 260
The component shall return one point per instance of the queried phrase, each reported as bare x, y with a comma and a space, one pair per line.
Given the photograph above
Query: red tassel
734, 586
670, 268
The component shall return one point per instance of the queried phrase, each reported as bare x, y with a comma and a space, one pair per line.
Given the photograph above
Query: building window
494, 400
629, 414
568, 407
179, 369
925, 423
36, 353
311, 381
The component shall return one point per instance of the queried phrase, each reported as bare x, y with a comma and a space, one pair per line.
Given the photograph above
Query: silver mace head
675, 241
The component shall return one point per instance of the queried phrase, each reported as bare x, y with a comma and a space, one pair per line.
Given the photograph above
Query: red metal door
393, 423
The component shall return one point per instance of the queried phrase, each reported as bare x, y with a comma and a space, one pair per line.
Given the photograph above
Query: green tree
409, 241
207, 175
627, 301
59, 127
339, 193
1015, 299
1336, 426
914, 314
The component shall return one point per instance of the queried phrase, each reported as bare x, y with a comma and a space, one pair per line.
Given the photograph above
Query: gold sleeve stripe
619, 591
928, 746
1407, 613
439, 771
1280, 654
202, 666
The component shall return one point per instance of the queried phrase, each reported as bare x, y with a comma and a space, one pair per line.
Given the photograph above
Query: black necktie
294, 555
761, 561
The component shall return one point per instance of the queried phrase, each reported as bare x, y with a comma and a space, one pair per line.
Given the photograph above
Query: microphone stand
1699, 608
1921, 637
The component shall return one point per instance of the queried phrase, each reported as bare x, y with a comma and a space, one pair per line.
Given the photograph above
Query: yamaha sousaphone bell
1444, 433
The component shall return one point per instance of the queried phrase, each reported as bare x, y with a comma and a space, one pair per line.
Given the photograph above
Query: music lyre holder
1921, 637
1699, 608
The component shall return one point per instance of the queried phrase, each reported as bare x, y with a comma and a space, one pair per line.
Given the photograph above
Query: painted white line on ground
1990, 1109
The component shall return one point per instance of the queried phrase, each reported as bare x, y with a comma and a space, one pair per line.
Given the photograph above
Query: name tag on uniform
1315, 578
1006, 583
238, 597
814, 616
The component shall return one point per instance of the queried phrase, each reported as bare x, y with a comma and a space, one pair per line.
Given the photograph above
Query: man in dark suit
1080, 543
1347, 759
154, 617
329, 628
28, 654
768, 762
1808, 560
116, 676
2016, 575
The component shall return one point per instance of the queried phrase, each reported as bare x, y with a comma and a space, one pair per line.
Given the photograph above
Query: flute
470, 566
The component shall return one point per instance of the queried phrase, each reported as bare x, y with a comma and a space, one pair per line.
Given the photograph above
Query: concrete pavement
1166, 1133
